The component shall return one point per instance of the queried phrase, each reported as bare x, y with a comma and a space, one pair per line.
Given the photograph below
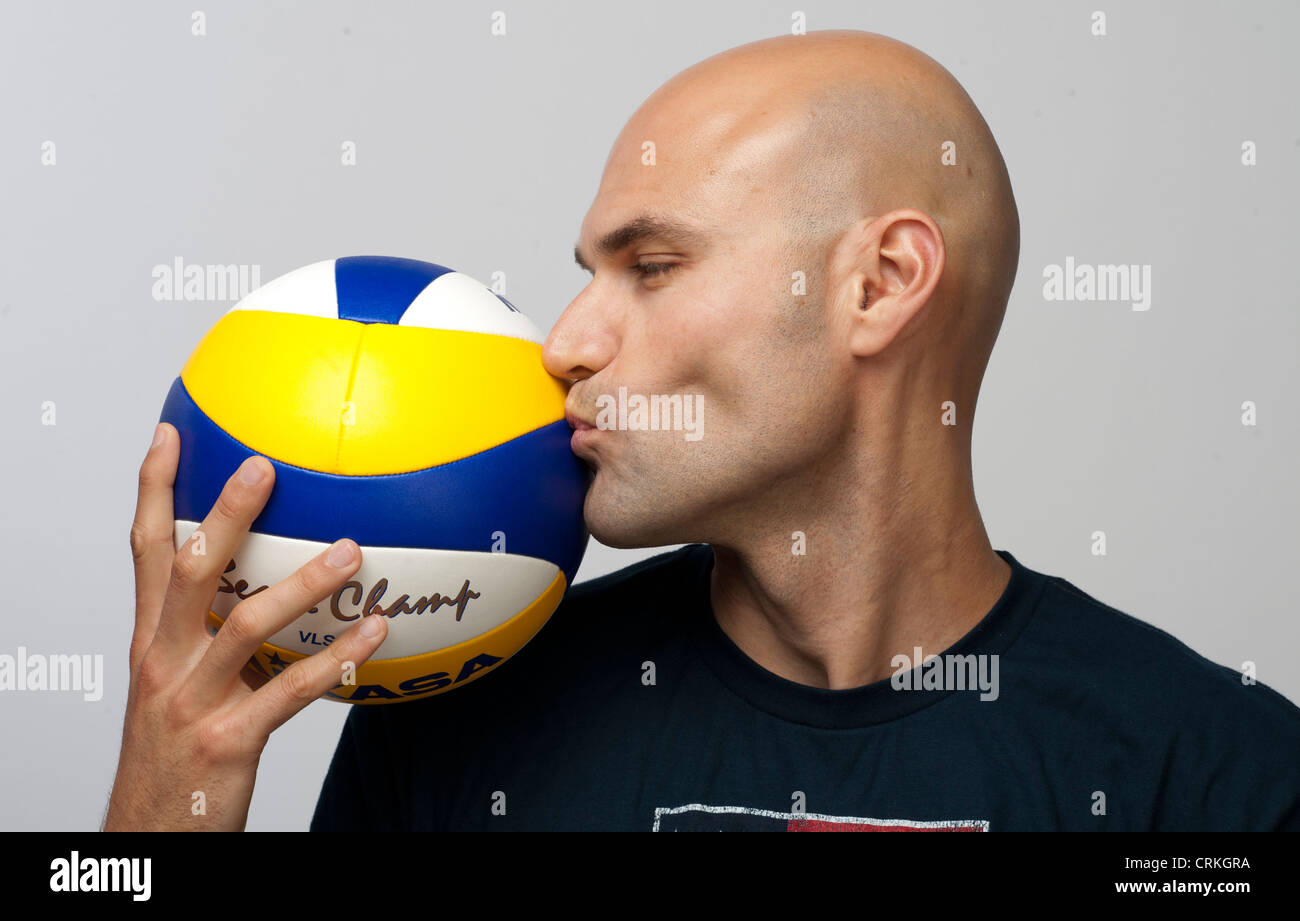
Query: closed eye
652, 269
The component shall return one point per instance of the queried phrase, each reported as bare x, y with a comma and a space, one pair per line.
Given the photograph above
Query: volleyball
403, 405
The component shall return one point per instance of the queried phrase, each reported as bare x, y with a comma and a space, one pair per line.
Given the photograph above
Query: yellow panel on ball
362, 399
276, 382
423, 397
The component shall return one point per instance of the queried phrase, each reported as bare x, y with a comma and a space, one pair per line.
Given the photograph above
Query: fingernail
251, 472
369, 625
159, 435
340, 554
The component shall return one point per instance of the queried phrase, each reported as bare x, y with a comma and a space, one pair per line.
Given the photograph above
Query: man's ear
897, 259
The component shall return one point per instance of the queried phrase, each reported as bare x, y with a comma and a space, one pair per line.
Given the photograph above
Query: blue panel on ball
378, 289
530, 488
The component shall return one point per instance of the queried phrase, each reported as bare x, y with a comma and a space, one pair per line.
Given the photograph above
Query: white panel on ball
505, 583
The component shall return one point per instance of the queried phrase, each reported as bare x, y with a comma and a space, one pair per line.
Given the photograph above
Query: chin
626, 522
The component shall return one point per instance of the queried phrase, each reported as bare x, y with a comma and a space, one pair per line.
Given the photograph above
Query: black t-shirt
632, 710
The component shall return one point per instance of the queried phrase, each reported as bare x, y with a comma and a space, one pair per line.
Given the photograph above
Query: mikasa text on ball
405, 406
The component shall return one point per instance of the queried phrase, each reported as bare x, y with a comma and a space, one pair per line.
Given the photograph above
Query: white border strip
981, 824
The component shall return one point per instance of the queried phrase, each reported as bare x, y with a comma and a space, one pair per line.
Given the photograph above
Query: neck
892, 561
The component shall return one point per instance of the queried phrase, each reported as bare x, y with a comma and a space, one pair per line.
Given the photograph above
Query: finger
260, 616
306, 680
153, 536
197, 566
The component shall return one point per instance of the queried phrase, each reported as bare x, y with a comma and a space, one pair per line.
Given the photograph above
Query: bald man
812, 240
807, 245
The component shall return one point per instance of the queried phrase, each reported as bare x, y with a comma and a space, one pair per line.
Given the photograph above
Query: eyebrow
642, 227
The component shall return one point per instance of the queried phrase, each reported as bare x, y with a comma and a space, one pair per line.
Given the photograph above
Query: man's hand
195, 720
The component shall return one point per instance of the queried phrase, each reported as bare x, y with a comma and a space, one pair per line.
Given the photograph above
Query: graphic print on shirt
698, 817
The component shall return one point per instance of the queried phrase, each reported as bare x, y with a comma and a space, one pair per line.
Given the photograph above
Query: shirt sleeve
360, 792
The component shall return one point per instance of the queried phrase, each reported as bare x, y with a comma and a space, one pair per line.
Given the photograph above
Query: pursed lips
577, 423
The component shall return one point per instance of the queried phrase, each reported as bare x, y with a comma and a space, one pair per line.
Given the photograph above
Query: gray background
484, 153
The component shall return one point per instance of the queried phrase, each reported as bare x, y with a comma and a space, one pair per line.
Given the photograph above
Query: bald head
844, 160
830, 127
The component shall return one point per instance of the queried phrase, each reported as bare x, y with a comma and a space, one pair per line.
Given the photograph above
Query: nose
579, 344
